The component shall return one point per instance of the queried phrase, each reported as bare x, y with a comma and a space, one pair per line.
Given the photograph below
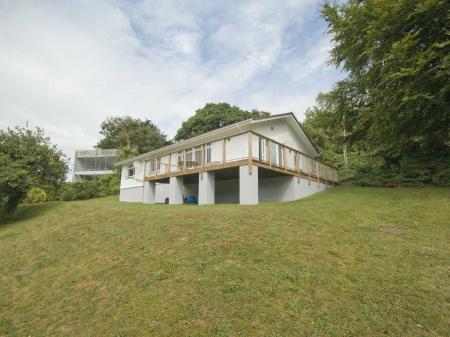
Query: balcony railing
246, 148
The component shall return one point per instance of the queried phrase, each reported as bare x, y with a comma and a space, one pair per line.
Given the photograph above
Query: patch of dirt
392, 230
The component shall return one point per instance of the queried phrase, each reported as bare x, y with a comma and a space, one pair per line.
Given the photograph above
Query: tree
397, 55
132, 136
213, 116
27, 159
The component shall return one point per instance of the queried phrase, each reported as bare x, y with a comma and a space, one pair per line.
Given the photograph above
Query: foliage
442, 178
87, 189
214, 116
132, 136
320, 266
391, 113
27, 159
397, 55
35, 195
415, 171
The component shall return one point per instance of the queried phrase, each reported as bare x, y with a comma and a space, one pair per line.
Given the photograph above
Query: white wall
132, 194
276, 189
161, 193
137, 180
281, 132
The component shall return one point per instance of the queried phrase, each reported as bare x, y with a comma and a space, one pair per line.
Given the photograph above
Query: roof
97, 153
226, 131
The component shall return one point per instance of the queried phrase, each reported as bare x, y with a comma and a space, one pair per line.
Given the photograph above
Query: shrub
35, 195
442, 178
412, 171
87, 189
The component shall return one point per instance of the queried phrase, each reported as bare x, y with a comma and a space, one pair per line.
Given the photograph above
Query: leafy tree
213, 116
132, 136
397, 55
27, 159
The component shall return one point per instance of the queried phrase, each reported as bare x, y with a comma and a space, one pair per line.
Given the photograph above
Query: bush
35, 195
412, 171
87, 189
442, 178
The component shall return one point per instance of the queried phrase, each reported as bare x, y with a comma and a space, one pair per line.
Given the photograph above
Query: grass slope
314, 267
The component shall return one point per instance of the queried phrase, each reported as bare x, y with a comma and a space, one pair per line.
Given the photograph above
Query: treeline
387, 123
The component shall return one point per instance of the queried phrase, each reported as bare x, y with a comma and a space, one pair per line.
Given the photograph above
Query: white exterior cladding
248, 162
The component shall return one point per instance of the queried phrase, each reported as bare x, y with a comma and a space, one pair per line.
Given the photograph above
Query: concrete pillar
176, 190
206, 188
149, 192
248, 186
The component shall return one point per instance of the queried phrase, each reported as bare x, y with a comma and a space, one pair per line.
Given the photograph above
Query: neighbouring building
270, 159
92, 164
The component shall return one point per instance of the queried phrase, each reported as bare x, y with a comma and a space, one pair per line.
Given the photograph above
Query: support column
248, 186
206, 188
149, 192
176, 190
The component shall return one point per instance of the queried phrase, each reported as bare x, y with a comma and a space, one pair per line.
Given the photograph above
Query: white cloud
66, 66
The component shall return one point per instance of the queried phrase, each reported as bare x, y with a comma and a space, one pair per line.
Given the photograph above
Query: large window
208, 158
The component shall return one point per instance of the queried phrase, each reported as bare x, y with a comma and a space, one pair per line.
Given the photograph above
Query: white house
270, 159
92, 164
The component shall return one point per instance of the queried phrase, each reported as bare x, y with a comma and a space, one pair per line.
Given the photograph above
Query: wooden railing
248, 148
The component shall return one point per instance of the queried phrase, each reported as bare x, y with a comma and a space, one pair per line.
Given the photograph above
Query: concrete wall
287, 188
276, 189
132, 194
161, 193
306, 188
227, 191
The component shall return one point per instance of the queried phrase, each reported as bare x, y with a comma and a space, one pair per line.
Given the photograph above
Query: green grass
314, 267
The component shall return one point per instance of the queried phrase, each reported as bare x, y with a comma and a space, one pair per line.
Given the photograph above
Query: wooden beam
297, 165
184, 160
269, 152
155, 163
250, 153
285, 158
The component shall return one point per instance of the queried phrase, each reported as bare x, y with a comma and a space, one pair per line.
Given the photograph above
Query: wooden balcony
248, 148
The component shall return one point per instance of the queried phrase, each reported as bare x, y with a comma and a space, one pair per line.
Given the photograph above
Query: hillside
349, 261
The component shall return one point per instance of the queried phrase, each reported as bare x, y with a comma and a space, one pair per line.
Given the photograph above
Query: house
270, 159
92, 164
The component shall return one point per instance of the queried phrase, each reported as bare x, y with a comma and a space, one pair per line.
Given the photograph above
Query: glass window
180, 160
208, 153
197, 155
131, 170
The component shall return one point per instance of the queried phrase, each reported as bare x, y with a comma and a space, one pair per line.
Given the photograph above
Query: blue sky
66, 66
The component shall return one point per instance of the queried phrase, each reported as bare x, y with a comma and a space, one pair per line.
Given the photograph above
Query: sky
66, 66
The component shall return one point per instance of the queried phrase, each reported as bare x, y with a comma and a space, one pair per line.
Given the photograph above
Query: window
189, 163
208, 153
180, 160
131, 170
197, 155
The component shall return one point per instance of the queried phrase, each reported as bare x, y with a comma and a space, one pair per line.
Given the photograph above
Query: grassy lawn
320, 266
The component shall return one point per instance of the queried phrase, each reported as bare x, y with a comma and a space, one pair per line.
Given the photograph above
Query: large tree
133, 136
397, 55
27, 159
213, 116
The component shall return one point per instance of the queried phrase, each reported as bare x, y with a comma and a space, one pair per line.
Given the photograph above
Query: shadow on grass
28, 211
